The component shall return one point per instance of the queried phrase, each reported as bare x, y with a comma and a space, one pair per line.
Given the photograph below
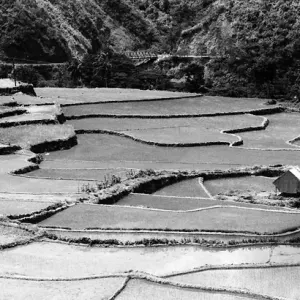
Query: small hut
289, 182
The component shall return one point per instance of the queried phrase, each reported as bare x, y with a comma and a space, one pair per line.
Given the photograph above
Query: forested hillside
54, 30
259, 40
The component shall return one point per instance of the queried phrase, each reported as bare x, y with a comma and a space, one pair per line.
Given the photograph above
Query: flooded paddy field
150, 290
97, 289
273, 281
57, 260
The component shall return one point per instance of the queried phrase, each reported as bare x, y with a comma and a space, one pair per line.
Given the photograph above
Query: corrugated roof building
289, 182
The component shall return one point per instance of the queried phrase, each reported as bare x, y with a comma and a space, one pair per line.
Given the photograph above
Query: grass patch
29, 135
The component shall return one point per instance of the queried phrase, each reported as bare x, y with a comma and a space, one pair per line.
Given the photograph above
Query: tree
106, 69
194, 77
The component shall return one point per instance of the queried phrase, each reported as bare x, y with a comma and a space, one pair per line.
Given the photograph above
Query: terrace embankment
23, 88
148, 182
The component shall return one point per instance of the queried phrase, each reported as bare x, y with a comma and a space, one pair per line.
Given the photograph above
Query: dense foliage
257, 42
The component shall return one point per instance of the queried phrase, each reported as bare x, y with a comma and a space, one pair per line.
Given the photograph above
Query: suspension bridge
140, 55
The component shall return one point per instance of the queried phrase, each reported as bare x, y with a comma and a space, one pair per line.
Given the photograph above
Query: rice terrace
130, 194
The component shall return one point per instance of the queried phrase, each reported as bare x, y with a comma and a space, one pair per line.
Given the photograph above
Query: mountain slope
54, 30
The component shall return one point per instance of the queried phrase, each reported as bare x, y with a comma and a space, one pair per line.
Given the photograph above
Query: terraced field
282, 129
99, 289
146, 195
186, 188
227, 219
265, 281
123, 152
174, 107
247, 183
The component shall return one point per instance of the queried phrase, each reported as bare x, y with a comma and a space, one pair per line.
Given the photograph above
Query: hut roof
295, 172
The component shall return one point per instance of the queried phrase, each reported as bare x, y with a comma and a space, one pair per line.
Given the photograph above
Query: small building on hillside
289, 182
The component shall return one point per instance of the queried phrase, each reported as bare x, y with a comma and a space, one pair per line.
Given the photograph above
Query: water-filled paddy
274, 282
217, 219
96, 289
243, 184
141, 289
56, 260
